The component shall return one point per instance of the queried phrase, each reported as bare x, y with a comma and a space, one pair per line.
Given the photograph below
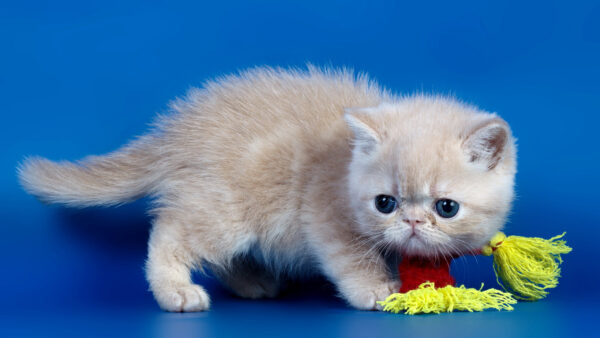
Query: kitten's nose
413, 221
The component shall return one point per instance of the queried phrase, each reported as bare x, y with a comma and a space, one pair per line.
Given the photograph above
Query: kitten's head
430, 176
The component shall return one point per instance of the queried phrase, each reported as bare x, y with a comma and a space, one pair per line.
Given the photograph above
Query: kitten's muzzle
414, 222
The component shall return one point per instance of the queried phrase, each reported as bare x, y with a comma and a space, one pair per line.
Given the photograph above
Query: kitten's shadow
123, 229
115, 241
107, 247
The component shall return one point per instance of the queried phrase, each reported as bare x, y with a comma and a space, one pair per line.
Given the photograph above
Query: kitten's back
261, 101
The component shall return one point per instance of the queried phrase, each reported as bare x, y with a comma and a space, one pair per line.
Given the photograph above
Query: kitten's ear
365, 138
486, 144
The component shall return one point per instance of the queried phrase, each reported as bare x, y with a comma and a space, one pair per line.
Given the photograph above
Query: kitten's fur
273, 173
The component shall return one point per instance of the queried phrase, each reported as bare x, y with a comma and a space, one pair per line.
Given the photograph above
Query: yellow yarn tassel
429, 299
525, 266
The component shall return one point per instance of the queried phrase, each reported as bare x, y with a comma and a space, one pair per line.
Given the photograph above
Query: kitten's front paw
366, 297
182, 298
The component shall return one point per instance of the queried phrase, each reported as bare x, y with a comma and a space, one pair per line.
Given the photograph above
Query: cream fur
272, 173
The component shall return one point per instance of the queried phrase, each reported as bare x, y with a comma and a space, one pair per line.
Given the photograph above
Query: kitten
275, 173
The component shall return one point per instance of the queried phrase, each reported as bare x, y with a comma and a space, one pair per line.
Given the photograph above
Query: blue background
79, 78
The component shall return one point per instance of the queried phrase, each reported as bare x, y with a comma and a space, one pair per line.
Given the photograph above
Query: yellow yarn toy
525, 268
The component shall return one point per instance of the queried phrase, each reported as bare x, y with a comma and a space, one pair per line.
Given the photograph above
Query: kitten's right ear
487, 143
365, 138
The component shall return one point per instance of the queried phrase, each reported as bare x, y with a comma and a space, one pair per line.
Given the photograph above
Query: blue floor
79, 78
302, 318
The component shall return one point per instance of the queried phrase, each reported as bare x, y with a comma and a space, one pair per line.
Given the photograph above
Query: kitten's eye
446, 208
385, 203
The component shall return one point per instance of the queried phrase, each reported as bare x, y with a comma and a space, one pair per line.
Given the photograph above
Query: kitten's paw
182, 298
366, 297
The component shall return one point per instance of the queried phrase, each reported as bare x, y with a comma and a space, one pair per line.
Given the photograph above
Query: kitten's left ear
486, 144
366, 139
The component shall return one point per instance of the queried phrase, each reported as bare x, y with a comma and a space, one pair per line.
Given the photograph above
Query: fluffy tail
119, 177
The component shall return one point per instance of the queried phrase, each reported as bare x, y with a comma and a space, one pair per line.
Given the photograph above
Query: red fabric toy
414, 271
525, 267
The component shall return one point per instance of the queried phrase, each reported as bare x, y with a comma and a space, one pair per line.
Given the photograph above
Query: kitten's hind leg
248, 279
168, 271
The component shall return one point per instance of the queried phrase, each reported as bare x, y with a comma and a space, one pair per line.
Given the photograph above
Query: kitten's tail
119, 177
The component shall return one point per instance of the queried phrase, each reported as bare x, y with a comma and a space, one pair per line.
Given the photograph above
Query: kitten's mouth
413, 244
417, 244
416, 236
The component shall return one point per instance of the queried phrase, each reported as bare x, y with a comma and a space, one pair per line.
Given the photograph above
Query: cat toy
525, 268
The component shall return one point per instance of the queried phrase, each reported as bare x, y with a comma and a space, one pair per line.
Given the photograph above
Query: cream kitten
274, 173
